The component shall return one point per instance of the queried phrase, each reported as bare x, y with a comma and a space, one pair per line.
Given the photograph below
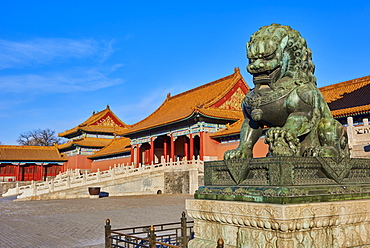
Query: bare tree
39, 137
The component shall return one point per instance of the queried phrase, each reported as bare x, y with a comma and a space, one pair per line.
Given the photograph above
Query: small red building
89, 137
29, 163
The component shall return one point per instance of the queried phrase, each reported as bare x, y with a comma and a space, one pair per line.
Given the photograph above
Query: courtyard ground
80, 222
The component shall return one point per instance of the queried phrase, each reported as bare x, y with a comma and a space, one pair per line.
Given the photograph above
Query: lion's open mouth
266, 77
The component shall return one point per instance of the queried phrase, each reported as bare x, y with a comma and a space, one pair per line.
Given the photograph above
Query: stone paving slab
80, 222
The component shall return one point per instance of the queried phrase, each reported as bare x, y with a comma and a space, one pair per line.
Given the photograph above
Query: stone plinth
248, 224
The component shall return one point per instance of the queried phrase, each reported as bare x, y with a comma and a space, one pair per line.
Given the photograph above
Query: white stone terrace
117, 176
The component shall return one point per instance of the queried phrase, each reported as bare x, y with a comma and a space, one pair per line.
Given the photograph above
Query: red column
44, 172
40, 172
186, 148
152, 149
191, 146
146, 156
17, 171
165, 148
132, 154
172, 148
137, 155
201, 150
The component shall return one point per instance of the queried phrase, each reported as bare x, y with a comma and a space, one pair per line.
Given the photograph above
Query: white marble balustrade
73, 178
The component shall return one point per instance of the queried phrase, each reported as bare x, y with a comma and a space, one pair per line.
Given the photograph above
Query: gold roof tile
364, 109
183, 105
118, 145
87, 142
92, 124
232, 129
336, 91
30, 153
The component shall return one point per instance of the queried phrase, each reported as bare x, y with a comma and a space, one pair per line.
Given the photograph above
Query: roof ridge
168, 98
189, 102
345, 83
92, 138
236, 76
93, 117
27, 147
155, 111
201, 86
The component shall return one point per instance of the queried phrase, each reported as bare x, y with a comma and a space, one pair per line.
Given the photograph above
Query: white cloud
71, 80
15, 54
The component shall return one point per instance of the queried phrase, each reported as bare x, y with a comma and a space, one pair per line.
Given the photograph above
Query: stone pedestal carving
247, 224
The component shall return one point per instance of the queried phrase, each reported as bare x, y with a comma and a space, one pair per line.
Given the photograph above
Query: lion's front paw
321, 152
236, 153
282, 142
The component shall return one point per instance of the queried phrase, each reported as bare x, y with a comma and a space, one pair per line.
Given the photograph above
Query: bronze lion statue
286, 100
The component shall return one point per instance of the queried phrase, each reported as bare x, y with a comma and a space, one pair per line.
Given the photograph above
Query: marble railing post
98, 176
17, 188
193, 180
113, 173
51, 185
68, 182
33, 187
84, 177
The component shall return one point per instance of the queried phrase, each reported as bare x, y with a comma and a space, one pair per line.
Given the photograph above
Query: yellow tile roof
86, 142
365, 109
232, 129
118, 145
30, 153
336, 91
331, 93
92, 125
181, 106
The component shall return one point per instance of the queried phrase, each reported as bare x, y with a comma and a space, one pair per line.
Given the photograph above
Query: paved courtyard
80, 222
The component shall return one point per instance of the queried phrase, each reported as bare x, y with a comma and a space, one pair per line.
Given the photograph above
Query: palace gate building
202, 122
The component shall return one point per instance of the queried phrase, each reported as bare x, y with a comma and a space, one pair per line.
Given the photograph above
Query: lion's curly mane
295, 51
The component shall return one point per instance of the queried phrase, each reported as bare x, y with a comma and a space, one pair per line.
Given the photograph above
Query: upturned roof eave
32, 160
215, 136
109, 154
159, 125
192, 115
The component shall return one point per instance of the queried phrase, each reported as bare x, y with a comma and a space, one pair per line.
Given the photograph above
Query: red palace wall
260, 148
105, 164
210, 146
78, 162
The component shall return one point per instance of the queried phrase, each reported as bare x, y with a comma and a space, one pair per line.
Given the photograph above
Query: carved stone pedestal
248, 224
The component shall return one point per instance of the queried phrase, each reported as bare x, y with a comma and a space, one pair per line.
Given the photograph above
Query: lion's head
278, 51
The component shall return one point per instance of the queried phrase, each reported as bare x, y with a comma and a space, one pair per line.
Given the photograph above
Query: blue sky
62, 60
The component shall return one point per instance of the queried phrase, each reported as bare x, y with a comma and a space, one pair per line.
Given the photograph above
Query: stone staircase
182, 177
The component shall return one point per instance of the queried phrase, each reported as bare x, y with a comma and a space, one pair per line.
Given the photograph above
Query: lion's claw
282, 142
